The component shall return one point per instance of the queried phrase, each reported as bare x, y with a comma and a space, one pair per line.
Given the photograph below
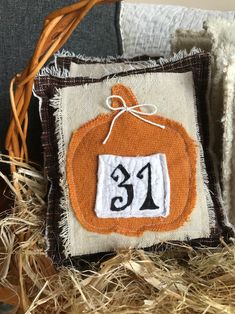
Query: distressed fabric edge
52, 69
228, 136
55, 103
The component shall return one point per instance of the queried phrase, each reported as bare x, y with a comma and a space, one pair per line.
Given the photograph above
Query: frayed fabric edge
179, 56
63, 224
55, 102
176, 57
228, 137
53, 70
205, 177
69, 54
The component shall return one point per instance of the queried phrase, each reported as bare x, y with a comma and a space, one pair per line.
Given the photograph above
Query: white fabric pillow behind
219, 35
147, 28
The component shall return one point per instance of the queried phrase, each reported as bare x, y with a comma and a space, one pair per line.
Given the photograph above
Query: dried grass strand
179, 280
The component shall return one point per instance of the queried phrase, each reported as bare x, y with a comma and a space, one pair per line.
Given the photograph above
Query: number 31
148, 203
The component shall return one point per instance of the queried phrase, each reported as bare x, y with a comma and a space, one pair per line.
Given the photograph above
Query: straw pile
181, 280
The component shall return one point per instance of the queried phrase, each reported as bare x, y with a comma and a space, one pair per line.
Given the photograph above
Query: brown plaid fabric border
45, 87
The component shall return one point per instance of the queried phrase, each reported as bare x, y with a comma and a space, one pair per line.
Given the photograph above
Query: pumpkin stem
124, 92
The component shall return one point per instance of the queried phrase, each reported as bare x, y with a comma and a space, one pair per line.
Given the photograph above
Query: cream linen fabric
79, 104
99, 70
218, 37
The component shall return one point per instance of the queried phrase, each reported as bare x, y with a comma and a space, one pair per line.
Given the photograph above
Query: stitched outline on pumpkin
191, 199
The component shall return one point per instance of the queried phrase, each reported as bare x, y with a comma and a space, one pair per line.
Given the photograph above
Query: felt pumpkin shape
130, 138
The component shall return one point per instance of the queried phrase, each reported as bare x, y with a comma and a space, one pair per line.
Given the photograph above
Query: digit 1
149, 202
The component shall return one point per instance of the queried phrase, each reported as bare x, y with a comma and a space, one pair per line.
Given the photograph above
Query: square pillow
218, 38
124, 177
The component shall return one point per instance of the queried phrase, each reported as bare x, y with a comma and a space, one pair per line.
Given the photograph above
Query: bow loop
132, 110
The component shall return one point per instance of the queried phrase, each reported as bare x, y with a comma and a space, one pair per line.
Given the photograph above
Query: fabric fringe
209, 201
108, 59
53, 70
179, 56
64, 206
69, 54
228, 136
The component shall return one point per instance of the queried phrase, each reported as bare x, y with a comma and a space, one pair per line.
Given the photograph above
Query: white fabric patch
131, 187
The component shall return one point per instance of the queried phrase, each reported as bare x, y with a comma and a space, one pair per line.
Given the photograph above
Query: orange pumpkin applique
130, 137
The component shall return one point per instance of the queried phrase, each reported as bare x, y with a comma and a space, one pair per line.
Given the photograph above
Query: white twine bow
131, 110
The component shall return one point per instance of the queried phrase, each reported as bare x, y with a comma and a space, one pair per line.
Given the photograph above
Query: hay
181, 280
